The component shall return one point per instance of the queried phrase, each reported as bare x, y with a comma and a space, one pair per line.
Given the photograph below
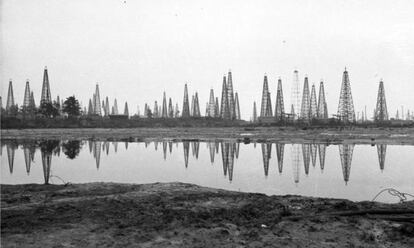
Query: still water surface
351, 171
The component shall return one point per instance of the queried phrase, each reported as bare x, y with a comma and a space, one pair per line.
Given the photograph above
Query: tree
71, 106
71, 148
48, 109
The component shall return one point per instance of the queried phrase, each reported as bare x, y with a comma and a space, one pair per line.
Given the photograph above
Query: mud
399, 136
185, 215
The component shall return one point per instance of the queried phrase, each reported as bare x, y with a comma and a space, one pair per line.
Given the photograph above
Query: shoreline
187, 215
400, 136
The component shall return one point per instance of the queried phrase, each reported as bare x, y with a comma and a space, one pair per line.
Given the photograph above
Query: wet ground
185, 215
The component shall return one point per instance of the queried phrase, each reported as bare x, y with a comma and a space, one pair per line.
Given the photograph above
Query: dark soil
184, 215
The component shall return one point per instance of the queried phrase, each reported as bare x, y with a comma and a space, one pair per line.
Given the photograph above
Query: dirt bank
183, 215
259, 134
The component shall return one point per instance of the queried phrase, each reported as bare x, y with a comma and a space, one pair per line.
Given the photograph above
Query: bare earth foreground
241, 134
184, 215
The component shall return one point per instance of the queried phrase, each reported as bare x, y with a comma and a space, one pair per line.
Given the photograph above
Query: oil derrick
46, 96
164, 149
306, 157
264, 109
295, 96
192, 106
186, 107
32, 101
266, 153
269, 110
322, 106
237, 106
345, 152
164, 113
126, 110
10, 156
196, 106
212, 147
381, 112
170, 146
10, 97
155, 113
225, 156
176, 111
186, 148
106, 106
254, 112
346, 111
207, 108
97, 102
224, 108
313, 104
90, 108
230, 96
97, 146
146, 110
280, 150
322, 153
216, 108
46, 164
159, 111
295, 162
313, 151
211, 105
115, 110
27, 158
26, 101
230, 165
280, 105
170, 109
305, 111
236, 149
382, 150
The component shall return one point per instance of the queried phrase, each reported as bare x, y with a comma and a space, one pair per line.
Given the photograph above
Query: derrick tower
164, 113
345, 152
313, 104
192, 105
295, 96
196, 106
90, 108
126, 110
26, 101
211, 105
106, 106
322, 106
280, 105
381, 112
264, 109
216, 108
176, 111
10, 97
346, 111
32, 101
224, 108
155, 114
237, 106
382, 150
304, 112
115, 109
97, 102
254, 112
230, 96
186, 106
170, 109
46, 96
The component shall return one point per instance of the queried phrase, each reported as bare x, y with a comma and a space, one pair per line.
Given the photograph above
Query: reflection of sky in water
356, 172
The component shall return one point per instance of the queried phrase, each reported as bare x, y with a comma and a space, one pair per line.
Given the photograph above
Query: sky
136, 50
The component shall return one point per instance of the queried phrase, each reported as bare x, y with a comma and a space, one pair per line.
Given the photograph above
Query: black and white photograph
207, 123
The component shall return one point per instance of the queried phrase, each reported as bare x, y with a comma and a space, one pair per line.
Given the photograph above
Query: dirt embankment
248, 134
183, 215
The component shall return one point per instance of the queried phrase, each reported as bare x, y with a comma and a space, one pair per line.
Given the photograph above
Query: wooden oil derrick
346, 111
381, 112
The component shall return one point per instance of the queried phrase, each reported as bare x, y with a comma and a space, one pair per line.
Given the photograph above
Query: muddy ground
184, 215
242, 134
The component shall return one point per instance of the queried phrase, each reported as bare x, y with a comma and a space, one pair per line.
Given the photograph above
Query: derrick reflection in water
230, 152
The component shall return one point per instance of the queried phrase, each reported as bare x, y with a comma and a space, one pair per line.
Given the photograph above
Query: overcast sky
138, 49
